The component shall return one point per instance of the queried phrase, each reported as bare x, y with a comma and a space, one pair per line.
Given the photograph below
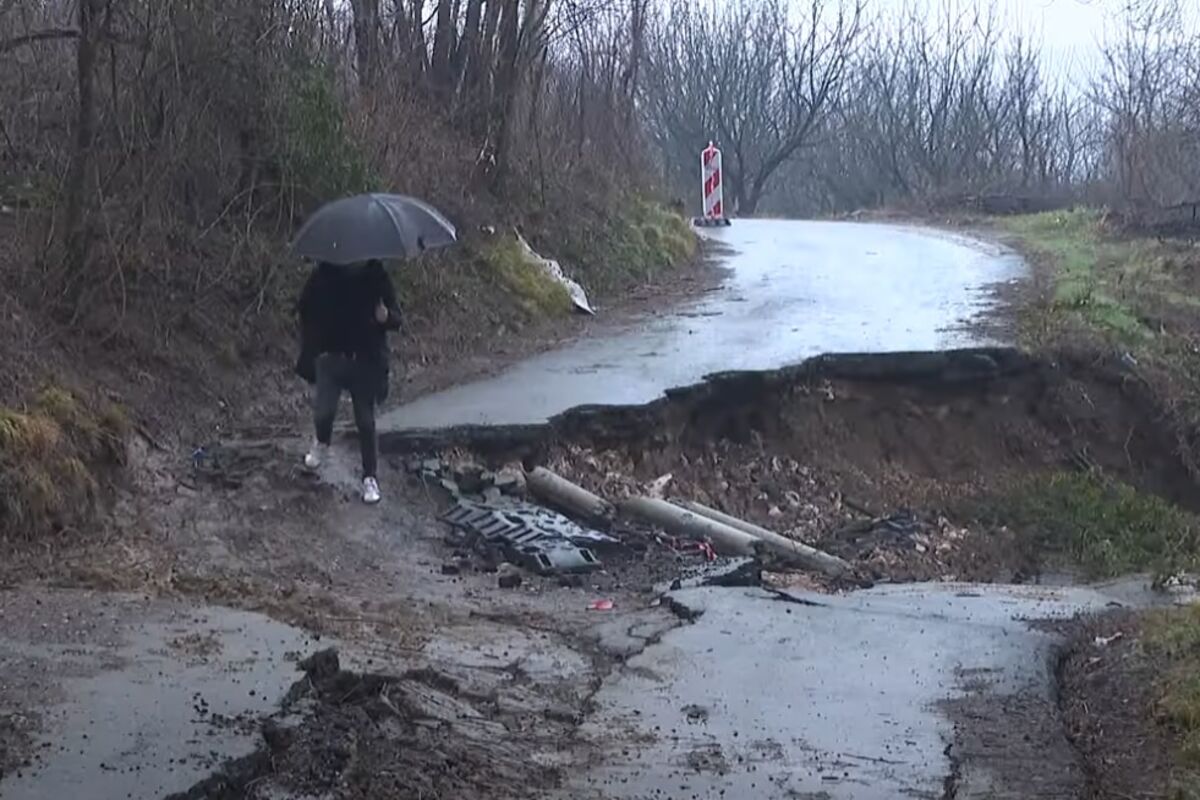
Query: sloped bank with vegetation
166, 153
1130, 682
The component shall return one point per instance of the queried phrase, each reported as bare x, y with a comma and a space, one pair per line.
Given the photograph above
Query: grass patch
1106, 527
640, 240
1088, 271
538, 294
653, 238
1135, 296
50, 454
1174, 638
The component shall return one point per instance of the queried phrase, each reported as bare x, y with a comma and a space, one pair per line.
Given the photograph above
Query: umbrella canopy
369, 226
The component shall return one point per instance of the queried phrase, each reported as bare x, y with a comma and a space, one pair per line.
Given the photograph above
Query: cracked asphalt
858, 696
794, 290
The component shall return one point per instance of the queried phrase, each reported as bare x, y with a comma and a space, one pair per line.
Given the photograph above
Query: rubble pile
902, 545
464, 478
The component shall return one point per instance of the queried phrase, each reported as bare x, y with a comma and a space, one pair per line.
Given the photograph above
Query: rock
322, 665
431, 465
469, 478
451, 569
492, 495
277, 737
570, 581
510, 480
510, 581
451, 487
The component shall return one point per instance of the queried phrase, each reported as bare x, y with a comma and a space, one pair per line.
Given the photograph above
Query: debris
672, 518
510, 480
542, 540
509, 576
658, 486
554, 557
601, 605
451, 569
469, 478
555, 272
560, 492
1105, 641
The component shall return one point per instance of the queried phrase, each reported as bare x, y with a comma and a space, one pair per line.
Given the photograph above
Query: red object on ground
601, 605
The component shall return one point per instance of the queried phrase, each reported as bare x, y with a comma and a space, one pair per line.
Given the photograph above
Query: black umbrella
370, 226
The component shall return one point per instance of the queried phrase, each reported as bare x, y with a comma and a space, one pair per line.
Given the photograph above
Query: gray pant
336, 374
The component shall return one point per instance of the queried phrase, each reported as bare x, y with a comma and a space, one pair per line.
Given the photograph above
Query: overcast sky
1067, 30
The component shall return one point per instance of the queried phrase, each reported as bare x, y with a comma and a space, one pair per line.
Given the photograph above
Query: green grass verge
1174, 637
534, 290
607, 253
1091, 273
1107, 528
631, 245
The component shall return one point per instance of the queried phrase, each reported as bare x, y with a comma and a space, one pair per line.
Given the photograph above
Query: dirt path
498, 676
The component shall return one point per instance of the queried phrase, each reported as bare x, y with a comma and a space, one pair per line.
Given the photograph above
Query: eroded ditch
881, 459
896, 461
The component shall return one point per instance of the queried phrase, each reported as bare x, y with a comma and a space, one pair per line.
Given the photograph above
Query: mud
342, 734
883, 459
1107, 701
868, 456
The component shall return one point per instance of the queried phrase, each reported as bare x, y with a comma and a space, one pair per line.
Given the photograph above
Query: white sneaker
316, 456
371, 494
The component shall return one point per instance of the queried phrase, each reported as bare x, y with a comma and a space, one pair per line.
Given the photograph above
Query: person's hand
381, 313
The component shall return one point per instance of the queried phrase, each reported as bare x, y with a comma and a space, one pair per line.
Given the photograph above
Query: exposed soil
867, 457
879, 459
1013, 743
1107, 683
342, 734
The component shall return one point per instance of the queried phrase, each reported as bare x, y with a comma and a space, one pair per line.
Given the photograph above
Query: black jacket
337, 315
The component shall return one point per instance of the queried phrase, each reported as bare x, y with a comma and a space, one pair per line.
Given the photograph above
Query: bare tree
77, 188
753, 75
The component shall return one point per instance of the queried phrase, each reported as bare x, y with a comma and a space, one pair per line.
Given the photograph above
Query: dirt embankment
1128, 699
896, 460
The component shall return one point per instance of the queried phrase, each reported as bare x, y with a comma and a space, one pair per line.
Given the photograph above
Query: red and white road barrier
714, 196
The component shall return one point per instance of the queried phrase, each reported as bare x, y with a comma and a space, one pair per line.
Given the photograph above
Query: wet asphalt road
135, 699
844, 698
795, 289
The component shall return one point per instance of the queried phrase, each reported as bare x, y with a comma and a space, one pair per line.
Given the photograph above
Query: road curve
794, 290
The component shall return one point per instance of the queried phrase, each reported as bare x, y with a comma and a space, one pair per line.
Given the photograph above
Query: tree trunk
466, 54
79, 181
506, 87
366, 45
443, 43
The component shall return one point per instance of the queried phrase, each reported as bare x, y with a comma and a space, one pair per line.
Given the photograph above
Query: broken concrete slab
731, 388
837, 696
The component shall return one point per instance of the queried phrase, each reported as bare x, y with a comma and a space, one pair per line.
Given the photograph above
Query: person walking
345, 314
